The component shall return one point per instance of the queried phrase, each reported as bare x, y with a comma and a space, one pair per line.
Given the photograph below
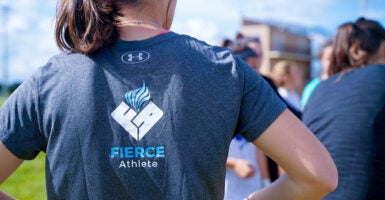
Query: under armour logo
134, 57
131, 57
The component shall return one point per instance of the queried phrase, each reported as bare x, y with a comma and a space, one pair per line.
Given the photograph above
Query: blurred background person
226, 42
246, 169
254, 57
288, 78
250, 50
247, 166
324, 57
347, 111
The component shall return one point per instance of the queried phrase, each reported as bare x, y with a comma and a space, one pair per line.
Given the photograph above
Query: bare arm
241, 167
263, 166
280, 171
4, 196
8, 165
310, 171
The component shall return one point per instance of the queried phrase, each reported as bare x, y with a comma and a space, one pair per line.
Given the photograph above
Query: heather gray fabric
147, 119
347, 113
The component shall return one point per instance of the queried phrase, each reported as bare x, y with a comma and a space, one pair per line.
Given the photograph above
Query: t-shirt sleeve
19, 129
260, 104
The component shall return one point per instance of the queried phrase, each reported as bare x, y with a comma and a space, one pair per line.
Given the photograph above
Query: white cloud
375, 14
301, 12
208, 20
199, 28
30, 28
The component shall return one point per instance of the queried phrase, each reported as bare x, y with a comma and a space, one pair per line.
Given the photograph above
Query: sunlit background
27, 38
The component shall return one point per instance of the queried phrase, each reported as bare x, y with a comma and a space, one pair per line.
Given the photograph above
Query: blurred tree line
11, 88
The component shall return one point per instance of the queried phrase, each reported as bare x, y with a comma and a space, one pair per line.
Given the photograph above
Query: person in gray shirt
347, 111
131, 110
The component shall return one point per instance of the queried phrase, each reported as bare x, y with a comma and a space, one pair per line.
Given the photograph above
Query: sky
29, 26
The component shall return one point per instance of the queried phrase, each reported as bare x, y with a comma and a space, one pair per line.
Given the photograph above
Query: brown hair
347, 40
85, 26
354, 43
375, 32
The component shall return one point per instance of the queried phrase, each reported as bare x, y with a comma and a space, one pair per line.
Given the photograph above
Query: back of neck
138, 29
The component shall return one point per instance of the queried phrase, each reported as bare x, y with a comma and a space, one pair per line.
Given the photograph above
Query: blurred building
281, 43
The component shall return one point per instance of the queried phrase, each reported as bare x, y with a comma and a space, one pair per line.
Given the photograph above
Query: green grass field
28, 182
2, 99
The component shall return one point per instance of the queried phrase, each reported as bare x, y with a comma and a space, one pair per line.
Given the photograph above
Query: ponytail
347, 49
356, 44
85, 26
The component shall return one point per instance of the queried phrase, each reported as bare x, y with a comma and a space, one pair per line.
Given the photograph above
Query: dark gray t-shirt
347, 113
148, 119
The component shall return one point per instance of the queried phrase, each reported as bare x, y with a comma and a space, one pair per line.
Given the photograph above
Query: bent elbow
328, 180
332, 181
330, 185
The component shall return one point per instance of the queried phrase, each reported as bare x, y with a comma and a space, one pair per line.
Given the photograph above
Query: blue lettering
114, 151
160, 152
121, 153
148, 153
138, 152
129, 153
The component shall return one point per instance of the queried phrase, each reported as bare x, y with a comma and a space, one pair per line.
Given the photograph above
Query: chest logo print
137, 114
135, 57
